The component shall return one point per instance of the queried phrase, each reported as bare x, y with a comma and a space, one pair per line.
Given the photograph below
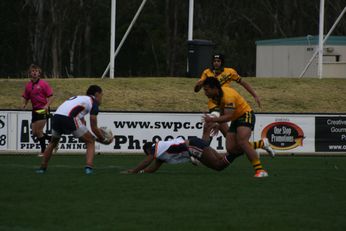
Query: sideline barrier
286, 132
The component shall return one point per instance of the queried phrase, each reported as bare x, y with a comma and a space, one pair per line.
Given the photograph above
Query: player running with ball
69, 119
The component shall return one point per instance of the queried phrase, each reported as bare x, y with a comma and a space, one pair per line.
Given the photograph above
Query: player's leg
211, 159
38, 123
58, 127
208, 156
89, 139
263, 144
206, 132
48, 153
83, 133
243, 135
233, 150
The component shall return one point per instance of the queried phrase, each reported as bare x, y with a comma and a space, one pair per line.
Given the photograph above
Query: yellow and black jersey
231, 100
225, 77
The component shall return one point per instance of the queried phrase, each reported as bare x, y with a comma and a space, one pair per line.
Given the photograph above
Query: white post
324, 41
126, 34
190, 28
112, 46
320, 41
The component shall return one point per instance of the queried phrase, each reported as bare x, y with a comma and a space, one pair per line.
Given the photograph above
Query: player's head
34, 72
212, 87
148, 148
218, 61
96, 92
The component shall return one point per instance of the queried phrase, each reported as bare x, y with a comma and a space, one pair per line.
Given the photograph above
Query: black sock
232, 156
42, 143
47, 137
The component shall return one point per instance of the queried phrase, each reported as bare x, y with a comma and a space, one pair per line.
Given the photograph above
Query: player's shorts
67, 125
248, 119
196, 146
38, 116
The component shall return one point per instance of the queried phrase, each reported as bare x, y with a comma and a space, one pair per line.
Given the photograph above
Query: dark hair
212, 83
146, 146
93, 89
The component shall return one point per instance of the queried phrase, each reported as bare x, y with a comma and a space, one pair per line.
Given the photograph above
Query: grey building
288, 57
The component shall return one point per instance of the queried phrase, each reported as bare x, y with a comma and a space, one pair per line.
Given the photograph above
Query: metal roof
304, 41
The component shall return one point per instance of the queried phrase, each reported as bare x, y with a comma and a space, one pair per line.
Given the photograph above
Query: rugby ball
106, 132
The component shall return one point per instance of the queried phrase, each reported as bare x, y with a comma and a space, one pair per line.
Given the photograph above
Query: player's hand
214, 130
128, 171
105, 140
258, 101
206, 118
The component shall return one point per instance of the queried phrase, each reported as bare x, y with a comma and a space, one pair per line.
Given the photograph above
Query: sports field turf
302, 193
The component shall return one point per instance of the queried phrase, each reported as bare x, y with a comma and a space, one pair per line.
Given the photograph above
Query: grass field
302, 193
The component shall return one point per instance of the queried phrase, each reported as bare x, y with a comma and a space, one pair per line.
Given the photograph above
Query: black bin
199, 56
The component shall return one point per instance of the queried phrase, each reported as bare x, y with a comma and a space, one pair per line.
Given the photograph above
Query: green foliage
302, 193
71, 37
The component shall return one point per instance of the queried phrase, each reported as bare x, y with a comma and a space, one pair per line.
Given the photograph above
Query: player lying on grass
181, 151
69, 119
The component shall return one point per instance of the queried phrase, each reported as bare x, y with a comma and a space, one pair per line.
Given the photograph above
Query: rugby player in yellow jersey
225, 76
233, 107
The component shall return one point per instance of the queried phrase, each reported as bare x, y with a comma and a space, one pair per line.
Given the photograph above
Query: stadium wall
288, 133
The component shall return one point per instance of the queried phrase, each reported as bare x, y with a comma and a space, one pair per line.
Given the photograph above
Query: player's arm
50, 100
94, 128
199, 83
25, 98
142, 165
24, 102
225, 117
49, 95
251, 91
154, 167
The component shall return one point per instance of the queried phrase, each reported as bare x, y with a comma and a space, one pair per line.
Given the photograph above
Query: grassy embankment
176, 94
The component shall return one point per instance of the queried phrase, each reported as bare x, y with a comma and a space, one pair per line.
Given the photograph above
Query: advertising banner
287, 133
330, 134
3, 131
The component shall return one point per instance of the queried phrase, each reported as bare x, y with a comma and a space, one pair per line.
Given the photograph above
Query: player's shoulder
44, 82
231, 71
207, 71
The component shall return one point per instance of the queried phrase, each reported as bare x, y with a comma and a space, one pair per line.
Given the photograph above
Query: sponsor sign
330, 134
283, 135
287, 133
27, 142
3, 131
293, 133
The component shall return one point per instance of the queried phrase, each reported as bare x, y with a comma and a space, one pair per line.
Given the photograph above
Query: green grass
176, 94
302, 193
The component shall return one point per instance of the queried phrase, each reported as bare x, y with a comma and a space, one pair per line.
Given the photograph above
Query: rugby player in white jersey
69, 119
178, 151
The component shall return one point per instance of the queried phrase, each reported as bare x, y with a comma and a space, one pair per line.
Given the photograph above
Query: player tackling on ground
178, 151
69, 119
